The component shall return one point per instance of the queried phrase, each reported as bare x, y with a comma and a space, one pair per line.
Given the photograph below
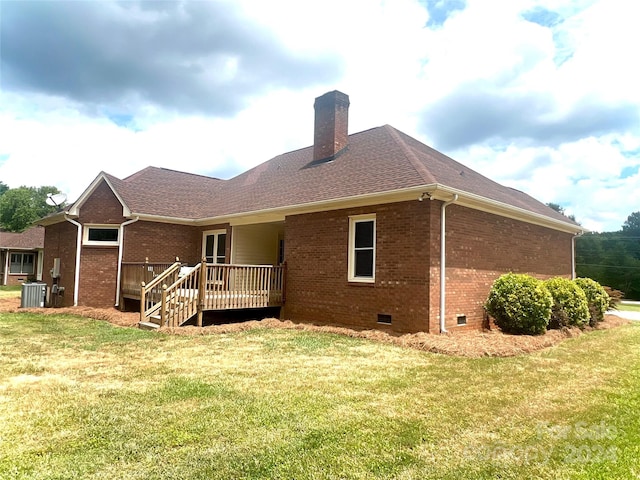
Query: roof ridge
418, 166
136, 174
140, 173
189, 173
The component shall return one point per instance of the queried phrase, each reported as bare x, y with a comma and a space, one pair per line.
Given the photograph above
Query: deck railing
243, 286
134, 273
172, 298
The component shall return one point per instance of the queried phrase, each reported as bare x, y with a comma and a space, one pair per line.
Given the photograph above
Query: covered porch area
241, 267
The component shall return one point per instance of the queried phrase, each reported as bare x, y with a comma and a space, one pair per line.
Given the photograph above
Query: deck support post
143, 301
202, 284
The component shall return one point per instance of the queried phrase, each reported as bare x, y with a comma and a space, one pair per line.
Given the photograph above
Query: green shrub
570, 307
615, 297
597, 299
520, 304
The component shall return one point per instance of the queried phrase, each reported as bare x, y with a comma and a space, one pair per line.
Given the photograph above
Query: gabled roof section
373, 162
112, 182
168, 193
30, 239
380, 162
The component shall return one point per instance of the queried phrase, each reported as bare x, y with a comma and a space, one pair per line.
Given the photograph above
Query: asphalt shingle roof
378, 160
31, 238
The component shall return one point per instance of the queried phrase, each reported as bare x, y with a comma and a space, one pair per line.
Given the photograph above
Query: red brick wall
60, 242
99, 264
161, 242
480, 248
316, 251
98, 272
101, 207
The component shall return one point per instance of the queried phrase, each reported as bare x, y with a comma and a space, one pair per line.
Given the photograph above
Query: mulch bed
474, 344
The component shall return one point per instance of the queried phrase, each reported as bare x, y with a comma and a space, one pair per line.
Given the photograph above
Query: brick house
21, 256
368, 230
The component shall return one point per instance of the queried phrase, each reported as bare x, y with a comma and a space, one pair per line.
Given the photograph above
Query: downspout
76, 279
6, 266
573, 254
443, 265
120, 250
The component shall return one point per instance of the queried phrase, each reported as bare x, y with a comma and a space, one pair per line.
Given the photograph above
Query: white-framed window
102, 235
22, 263
214, 246
362, 248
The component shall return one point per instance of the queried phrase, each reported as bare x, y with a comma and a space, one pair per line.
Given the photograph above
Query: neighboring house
21, 256
352, 230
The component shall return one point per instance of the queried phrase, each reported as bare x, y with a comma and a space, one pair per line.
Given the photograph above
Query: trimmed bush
520, 304
597, 299
615, 297
570, 307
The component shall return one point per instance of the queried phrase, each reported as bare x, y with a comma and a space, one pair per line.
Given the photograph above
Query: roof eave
478, 202
436, 191
57, 217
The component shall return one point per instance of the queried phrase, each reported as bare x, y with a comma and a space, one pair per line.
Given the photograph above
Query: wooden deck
174, 295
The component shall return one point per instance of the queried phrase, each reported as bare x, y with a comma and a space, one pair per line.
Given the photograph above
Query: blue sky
539, 95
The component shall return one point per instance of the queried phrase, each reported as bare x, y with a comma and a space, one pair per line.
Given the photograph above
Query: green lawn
629, 308
11, 291
83, 399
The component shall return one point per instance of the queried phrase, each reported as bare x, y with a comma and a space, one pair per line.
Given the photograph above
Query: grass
84, 399
629, 307
10, 291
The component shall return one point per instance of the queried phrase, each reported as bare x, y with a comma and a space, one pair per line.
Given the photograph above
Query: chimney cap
332, 98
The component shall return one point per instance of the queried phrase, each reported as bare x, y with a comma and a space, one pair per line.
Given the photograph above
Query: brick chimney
331, 125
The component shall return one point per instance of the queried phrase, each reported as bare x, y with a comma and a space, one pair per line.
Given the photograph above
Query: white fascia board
484, 204
279, 213
165, 219
436, 191
51, 219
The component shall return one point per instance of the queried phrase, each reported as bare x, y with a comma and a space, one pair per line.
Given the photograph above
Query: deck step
148, 326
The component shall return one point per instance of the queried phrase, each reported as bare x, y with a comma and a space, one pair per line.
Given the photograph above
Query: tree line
612, 258
21, 207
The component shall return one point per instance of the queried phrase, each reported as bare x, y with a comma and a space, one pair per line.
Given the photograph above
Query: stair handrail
185, 311
145, 288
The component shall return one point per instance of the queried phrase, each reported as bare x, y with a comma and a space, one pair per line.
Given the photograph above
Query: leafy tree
20, 207
632, 224
3, 187
612, 258
560, 210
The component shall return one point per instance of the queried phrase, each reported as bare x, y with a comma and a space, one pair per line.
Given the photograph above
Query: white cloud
396, 71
